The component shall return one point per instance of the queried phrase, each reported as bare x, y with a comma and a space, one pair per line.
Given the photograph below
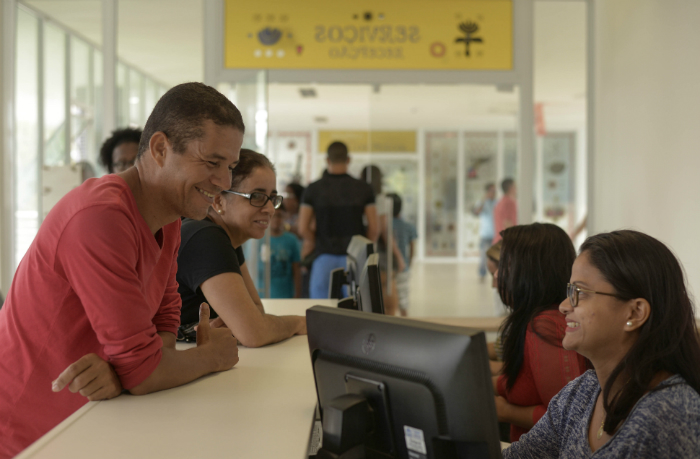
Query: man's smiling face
194, 177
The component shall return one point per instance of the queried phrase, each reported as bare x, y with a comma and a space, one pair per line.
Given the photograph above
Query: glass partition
59, 113
251, 98
122, 95
54, 95
82, 105
27, 157
137, 115
441, 157
481, 173
100, 135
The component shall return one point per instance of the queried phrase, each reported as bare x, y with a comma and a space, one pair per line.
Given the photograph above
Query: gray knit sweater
663, 424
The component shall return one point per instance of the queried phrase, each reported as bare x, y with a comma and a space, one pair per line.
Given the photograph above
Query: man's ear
158, 147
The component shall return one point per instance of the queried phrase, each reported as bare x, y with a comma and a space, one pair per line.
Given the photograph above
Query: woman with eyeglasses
211, 265
628, 311
534, 266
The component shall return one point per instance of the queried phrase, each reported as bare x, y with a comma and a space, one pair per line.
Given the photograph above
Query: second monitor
369, 292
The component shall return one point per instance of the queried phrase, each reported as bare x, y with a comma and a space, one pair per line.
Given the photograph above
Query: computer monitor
390, 387
357, 252
369, 297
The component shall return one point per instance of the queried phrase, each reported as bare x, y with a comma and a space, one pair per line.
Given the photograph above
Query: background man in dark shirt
339, 203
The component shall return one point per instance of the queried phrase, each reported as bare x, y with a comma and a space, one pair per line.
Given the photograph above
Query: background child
405, 235
285, 274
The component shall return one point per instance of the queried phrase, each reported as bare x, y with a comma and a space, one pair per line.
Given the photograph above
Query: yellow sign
362, 34
370, 141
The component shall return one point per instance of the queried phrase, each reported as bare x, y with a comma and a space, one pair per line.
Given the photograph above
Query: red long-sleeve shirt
546, 369
95, 280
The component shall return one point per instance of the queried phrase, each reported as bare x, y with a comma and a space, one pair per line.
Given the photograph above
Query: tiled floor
450, 290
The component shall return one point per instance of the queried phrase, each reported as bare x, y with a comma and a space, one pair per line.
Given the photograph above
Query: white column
590, 113
110, 11
213, 44
524, 39
8, 16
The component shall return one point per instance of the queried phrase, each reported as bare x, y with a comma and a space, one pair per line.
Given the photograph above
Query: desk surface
262, 408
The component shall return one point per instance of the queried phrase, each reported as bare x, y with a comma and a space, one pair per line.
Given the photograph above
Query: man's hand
93, 377
219, 341
401, 265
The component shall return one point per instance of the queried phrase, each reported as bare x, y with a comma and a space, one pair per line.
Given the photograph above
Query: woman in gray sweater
629, 313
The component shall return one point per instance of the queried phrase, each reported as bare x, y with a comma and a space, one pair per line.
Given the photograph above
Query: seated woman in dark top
211, 266
533, 268
629, 312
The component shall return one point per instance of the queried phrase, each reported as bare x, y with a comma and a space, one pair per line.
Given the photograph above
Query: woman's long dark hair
533, 271
639, 266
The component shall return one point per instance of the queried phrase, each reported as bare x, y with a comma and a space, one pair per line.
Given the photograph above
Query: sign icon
469, 28
269, 36
437, 49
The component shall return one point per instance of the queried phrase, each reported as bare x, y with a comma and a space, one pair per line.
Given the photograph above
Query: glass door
250, 95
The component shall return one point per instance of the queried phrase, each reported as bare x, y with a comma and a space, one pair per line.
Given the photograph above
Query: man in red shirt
94, 304
505, 214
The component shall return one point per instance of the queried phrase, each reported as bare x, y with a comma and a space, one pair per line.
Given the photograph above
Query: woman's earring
629, 323
219, 211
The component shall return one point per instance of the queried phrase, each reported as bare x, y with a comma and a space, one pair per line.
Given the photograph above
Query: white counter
262, 408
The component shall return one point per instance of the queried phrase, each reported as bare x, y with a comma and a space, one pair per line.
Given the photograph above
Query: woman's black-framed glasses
258, 199
572, 292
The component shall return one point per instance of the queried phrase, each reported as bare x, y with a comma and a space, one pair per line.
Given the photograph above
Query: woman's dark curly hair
120, 136
247, 163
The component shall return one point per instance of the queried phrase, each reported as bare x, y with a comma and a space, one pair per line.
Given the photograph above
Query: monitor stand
347, 303
450, 449
356, 421
346, 423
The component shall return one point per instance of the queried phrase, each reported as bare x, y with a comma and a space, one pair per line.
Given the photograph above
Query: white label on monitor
316, 438
415, 441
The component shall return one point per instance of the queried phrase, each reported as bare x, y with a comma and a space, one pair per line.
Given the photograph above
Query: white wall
647, 146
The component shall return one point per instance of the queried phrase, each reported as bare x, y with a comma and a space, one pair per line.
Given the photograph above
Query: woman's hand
216, 323
521, 416
502, 409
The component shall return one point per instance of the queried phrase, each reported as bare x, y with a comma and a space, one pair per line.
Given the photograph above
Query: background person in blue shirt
484, 211
405, 235
285, 271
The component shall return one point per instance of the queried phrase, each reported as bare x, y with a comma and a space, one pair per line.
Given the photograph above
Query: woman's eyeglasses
572, 292
258, 199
